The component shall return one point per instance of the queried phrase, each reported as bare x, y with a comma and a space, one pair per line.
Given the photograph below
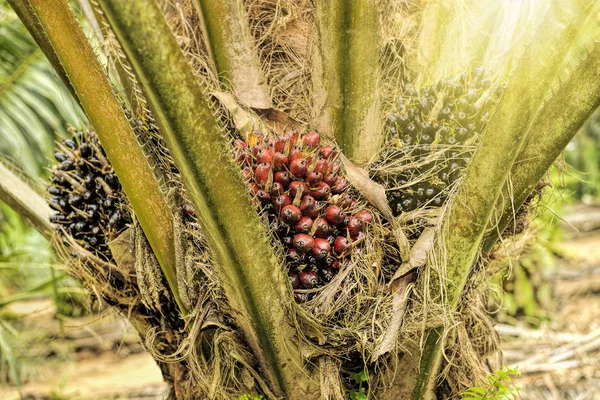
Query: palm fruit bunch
440, 123
298, 183
86, 194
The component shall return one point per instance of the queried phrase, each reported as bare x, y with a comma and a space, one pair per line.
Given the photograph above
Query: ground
561, 360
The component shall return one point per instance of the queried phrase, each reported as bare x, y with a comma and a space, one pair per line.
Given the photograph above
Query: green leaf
361, 376
358, 395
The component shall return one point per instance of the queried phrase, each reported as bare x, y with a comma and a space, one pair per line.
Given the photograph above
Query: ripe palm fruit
439, 121
310, 204
86, 194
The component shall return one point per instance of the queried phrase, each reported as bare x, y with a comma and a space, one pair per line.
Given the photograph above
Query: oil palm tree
200, 272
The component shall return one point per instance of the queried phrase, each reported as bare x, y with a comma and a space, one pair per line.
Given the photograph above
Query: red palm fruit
294, 256
322, 229
277, 189
264, 156
334, 214
307, 204
263, 196
253, 187
240, 143
341, 245
358, 236
330, 259
314, 178
347, 201
331, 239
365, 216
282, 177
321, 248
188, 209
333, 168
300, 297
291, 214
247, 173
326, 151
322, 191
295, 154
239, 155
256, 149
281, 201
330, 179
280, 160
340, 185
271, 145
314, 213
303, 242
311, 139
327, 274
294, 280
261, 173
296, 186
294, 135
280, 144
298, 167
336, 264
320, 167
354, 225
304, 225
308, 279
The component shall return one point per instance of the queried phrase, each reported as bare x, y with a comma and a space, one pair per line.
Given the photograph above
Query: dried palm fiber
282, 32
400, 25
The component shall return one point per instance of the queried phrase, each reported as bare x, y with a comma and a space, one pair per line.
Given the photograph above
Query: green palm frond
34, 104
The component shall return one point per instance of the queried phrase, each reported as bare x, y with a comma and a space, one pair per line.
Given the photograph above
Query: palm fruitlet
86, 194
442, 122
298, 183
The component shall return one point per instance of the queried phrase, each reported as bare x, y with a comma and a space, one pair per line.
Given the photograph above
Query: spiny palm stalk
214, 265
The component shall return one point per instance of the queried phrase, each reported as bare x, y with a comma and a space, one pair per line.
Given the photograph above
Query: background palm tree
199, 70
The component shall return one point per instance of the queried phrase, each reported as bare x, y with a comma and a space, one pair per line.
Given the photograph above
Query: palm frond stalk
561, 117
346, 74
233, 51
27, 202
34, 108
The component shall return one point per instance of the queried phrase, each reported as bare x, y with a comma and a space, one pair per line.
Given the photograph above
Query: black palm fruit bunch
299, 184
86, 194
431, 133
